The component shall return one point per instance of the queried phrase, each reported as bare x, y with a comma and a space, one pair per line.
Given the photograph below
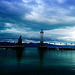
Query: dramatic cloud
65, 34
28, 17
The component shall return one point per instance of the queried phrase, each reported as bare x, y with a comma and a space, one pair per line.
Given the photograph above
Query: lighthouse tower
41, 40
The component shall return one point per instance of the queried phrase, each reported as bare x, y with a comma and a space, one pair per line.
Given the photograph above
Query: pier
18, 46
55, 48
13, 47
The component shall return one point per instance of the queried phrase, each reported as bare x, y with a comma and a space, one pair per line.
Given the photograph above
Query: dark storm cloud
26, 17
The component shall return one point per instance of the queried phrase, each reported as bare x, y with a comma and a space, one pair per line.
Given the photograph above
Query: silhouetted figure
20, 41
19, 45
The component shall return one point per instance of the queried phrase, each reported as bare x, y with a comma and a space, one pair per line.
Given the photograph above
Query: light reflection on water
34, 61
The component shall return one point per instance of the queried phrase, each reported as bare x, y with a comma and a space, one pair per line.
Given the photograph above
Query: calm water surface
32, 61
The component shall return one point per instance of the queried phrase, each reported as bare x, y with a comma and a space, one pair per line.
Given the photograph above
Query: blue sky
28, 17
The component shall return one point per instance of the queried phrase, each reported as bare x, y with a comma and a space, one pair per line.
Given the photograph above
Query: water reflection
3, 54
19, 53
41, 53
51, 61
1, 68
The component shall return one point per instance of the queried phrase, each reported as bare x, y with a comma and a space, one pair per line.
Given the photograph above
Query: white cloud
69, 18
72, 7
32, 41
33, 16
51, 14
66, 34
24, 33
61, 1
27, 1
12, 30
41, 11
8, 24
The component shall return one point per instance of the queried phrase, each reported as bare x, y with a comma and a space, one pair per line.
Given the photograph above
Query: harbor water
32, 61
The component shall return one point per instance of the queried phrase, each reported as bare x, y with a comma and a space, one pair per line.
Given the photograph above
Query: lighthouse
42, 46
41, 40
